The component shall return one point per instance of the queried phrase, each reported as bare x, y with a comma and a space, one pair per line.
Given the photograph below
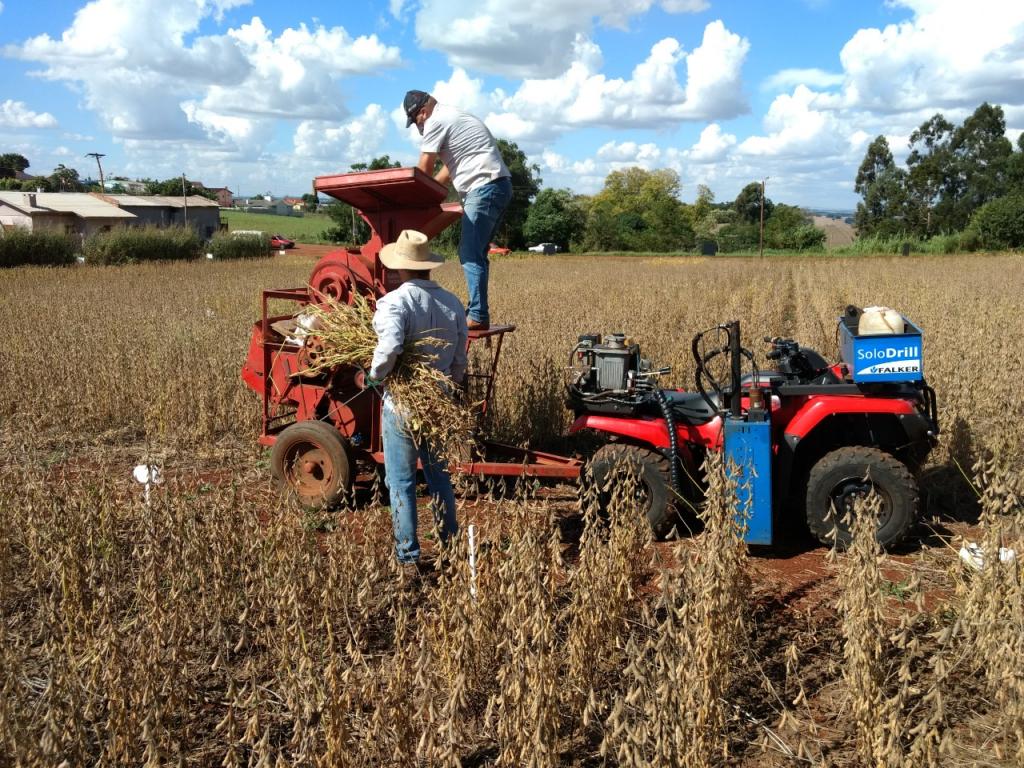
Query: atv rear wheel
847, 474
310, 461
614, 462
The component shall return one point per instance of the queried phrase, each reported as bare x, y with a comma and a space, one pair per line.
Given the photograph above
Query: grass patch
305, 229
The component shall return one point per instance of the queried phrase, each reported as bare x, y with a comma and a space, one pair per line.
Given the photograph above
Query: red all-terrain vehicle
809, 436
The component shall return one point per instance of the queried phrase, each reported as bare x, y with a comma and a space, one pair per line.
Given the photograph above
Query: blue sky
262, 96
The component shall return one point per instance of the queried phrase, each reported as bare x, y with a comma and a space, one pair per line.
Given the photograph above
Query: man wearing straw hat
419, 308
472, 162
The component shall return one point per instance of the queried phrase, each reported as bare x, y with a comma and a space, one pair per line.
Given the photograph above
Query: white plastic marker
973, 555
472, 561
147, 475
209, 256
280, 253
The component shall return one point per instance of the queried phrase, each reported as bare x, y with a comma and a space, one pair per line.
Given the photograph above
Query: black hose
673, 443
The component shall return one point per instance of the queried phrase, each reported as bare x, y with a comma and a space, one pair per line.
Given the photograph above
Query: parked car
497, 250
544, 248
280, 241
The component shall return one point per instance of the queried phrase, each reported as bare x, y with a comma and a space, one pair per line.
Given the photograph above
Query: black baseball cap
414, 101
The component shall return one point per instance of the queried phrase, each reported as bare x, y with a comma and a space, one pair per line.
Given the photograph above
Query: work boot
477, 325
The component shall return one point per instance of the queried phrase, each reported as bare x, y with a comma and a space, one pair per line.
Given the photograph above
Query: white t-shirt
466, 147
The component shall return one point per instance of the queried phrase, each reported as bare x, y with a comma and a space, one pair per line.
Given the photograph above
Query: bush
44, 247
132, 245
1000, 223
239, 246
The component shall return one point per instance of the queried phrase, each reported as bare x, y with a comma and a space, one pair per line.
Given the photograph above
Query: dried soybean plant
993, 606
674, 709
419, 390
874, 710
612, 562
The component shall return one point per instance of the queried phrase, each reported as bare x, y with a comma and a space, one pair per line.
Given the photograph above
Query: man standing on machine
417, 309
473, 164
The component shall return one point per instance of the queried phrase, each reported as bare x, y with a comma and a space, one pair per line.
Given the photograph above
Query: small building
77, 213
200, 213
225, 197
270, 205
296, 203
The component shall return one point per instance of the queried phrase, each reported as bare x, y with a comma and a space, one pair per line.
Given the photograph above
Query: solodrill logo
882, 361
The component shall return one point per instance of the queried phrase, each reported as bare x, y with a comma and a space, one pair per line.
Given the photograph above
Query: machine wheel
309, 460
333, 278
847, 474
655, 484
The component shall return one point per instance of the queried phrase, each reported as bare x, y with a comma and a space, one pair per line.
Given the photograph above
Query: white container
878, 321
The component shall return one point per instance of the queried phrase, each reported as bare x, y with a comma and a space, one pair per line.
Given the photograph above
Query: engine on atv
608, 375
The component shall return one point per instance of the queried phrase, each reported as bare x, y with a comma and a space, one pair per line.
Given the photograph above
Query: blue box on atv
892, 357
748, 456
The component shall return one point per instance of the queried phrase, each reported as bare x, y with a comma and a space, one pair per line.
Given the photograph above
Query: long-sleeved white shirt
419, 309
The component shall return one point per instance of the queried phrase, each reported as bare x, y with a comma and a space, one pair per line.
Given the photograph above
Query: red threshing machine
320, 427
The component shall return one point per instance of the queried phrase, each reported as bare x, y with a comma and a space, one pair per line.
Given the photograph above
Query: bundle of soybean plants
420, 392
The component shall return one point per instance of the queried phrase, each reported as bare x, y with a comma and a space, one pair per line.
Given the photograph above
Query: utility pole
98, 155
184, 197
760, 246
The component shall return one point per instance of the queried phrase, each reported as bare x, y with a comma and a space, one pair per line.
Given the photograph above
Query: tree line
958, 179
64, 179
636, 210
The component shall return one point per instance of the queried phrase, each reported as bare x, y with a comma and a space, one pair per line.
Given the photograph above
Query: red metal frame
389, 201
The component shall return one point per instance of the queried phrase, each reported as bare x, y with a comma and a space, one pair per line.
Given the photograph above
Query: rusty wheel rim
310, 471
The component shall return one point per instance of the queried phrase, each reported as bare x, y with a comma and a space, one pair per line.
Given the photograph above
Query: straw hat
410, 251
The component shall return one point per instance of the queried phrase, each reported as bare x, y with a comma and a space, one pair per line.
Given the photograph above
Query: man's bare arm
426, 164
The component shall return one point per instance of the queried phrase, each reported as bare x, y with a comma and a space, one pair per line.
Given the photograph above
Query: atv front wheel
613, 463
847, 474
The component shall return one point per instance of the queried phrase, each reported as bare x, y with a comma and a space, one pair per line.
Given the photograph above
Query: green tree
555, 217
791, 229
999, 223
526, 183
65, 179
884, 209
877, 160
173, 188
883, 187
310, 202
932, 182
1015, 168
982, 154
638, 210
11, 164
748, 203
377, 164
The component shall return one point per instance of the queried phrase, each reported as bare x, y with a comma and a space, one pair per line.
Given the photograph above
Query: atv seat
687, 407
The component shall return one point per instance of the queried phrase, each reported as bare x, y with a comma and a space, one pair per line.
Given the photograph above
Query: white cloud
1, 7
712, 146
951, 54
147, 75
16, 114
789, 78
630, 153
356, 140
796, 128
653, 97
526, 38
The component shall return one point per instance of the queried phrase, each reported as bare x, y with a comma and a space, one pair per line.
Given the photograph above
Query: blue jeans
400, 454
481, 212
